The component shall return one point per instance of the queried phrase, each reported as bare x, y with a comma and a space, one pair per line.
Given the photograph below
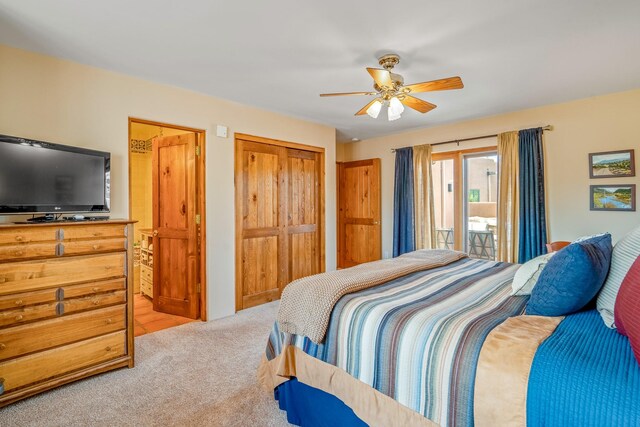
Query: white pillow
528, 273
624, 254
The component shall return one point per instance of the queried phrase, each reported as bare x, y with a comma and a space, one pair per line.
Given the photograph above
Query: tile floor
146, 321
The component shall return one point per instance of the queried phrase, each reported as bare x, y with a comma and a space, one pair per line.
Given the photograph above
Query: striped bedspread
417, 338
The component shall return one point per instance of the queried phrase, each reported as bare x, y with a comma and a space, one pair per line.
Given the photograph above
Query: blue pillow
572, 278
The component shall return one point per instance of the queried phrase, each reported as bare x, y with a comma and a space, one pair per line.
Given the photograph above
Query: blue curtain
403, 220
533, 221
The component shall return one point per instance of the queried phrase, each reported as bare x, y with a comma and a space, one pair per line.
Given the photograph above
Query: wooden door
302, 214
260, 268
359, 229
175, 258
278, 219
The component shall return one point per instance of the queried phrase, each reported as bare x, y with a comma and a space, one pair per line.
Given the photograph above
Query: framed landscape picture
613, 197
612, 164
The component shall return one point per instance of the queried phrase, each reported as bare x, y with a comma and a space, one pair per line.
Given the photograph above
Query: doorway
166, 198
279, 216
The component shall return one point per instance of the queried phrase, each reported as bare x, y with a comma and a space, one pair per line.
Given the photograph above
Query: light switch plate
221, 131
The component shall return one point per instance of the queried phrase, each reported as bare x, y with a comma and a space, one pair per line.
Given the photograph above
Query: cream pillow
624, 254
528, 273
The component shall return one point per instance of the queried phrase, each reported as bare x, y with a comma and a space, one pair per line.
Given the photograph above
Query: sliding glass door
443, 175
480, 204
465, 185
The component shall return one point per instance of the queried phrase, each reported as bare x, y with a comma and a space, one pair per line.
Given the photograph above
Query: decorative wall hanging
612, 164
140, 146
613, 197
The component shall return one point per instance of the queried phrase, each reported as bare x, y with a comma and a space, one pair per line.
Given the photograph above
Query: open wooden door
359, 229
175, 267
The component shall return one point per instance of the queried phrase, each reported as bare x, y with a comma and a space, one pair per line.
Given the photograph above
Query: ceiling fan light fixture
374, 109
395, 107
392, 116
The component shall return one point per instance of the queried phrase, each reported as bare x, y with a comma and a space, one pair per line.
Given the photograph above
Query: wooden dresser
66, 304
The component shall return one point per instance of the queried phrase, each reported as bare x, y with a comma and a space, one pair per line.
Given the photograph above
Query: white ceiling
280, 54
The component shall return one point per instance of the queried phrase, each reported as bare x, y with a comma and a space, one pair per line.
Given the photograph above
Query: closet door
302, 213
261, 267
278, 219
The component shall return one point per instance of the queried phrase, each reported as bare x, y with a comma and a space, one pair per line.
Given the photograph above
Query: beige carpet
198, 374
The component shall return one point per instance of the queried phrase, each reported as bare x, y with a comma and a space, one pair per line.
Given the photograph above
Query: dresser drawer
8, 302
91, 302
146, 273
93, 232
75, 291
146, 288
79, 247
62, 360
27, 314
28, 234
31, 250
19, 340
35, 275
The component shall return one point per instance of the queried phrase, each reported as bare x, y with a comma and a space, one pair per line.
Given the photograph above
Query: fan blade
442, 84
365, 108
417, 104
381, 77
347, 93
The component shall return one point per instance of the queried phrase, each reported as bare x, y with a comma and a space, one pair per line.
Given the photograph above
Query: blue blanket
584, 374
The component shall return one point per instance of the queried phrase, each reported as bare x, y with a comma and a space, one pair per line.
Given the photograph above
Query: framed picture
613, 197
612, 164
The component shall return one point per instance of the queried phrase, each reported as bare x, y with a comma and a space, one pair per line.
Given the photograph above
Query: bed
428, 348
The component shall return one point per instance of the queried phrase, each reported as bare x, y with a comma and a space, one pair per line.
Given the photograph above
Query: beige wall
60, 101
589, 125
141, 201
340, 152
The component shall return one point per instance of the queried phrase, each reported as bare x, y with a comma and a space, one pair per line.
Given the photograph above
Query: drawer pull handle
18, 253
109, 321
96, 247
19, 317
96, 301
108, 348
19, 302
19, 238
2, 346
95, 289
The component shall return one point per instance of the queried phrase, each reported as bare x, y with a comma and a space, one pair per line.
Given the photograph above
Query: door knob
155, 233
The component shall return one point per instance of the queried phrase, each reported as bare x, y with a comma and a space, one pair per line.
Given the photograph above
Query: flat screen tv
37, 177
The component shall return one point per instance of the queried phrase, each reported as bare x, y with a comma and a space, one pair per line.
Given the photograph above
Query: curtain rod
458, 141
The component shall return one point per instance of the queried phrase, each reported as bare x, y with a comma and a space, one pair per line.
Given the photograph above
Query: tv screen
37, 176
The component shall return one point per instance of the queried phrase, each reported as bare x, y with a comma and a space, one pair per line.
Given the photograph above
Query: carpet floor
197, 374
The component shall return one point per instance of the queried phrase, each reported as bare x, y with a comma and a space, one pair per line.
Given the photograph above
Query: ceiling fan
390, 90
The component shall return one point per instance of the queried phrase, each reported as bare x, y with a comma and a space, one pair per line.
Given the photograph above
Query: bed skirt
368, 404
308, 406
